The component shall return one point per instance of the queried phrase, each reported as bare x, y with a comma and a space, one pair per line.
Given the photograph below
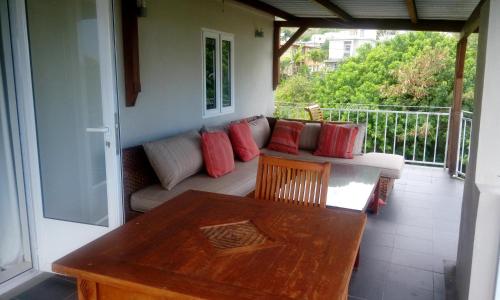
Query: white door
71, 117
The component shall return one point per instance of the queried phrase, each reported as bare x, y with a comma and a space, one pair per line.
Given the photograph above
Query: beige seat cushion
390, 165
176, 158
240, 182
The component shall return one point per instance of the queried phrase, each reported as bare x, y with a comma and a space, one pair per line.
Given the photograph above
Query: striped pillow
176, 158
217, 153
336, 141
242, 140
286, 136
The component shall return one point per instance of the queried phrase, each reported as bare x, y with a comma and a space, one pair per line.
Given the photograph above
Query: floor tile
398, 291
378, 238
413, 259
415, 232
52, 288
411, 277
439, 283
413, 244
376, 252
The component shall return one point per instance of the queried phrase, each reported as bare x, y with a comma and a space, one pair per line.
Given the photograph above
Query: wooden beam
130, 36
456, 108
342, 14
267, 8
472, 24
412, 11
292, 40
276, 56
382, 24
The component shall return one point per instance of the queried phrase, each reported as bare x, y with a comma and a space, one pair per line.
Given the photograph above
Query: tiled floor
410, 247
408, 250
44, 287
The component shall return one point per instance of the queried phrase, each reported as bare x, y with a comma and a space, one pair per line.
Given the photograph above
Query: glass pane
226, 74
210, 72
14, 243
67, 91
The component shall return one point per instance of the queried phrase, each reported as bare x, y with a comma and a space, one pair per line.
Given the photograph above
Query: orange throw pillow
242, 140
217, 153
336, 140
286, 135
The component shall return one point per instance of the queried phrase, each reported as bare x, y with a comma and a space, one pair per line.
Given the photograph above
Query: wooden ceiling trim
292, 40
342, 14
262, 6
382, 24
472, 24
412, 11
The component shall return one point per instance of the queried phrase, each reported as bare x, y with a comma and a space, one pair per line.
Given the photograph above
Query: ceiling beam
472, 24
292, 40
335, 9
262, 6
382, 24
412, 11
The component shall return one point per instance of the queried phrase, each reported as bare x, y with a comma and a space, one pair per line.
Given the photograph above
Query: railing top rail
345, 105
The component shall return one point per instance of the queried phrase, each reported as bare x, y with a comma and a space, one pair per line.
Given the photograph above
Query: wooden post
456, 109
276, 55
279, 51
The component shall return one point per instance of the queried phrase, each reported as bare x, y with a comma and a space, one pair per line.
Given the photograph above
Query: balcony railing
420, 133
464, 142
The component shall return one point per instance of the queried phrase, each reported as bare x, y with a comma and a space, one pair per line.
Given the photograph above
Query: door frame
22, 59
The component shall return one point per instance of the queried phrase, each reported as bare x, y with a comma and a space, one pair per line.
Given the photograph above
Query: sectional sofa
143, 191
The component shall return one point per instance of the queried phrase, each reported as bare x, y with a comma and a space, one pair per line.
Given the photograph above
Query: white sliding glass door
72, 122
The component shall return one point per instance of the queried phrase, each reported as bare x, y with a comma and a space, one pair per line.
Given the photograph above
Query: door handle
98, 130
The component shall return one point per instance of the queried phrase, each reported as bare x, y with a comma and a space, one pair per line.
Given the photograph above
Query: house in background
344, 44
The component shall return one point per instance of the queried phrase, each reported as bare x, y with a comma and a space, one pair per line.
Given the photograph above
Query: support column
479, 240
456, 108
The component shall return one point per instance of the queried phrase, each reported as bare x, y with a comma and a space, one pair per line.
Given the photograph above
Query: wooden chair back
315, 112
299, 182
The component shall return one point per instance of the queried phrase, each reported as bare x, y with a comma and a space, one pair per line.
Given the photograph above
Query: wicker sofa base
386, 185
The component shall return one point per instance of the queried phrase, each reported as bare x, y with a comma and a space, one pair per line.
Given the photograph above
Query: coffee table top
215, 246
351, 187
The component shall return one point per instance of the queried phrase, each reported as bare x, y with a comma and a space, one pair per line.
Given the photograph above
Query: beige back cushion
176, 158
309, 136
360, 139
260, 131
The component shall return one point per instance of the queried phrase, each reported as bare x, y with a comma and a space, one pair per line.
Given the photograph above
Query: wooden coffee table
213, 246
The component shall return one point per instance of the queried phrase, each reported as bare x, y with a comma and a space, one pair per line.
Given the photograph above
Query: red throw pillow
242, 140
217, 153
286, 135
336, 140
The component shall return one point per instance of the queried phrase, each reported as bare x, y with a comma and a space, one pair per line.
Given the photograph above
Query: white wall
477, 259
171, 67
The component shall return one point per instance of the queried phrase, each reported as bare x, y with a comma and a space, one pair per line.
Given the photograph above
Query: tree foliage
415, 68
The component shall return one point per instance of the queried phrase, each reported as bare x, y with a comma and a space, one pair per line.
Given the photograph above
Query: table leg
376, 202
356, 262
87, 290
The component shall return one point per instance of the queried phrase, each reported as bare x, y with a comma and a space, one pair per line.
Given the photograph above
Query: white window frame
219, 109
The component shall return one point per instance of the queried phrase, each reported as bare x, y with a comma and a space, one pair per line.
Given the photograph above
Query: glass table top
350, 187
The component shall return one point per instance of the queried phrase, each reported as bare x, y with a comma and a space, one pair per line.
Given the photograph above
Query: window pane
226, 74
65, 62
210, 73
